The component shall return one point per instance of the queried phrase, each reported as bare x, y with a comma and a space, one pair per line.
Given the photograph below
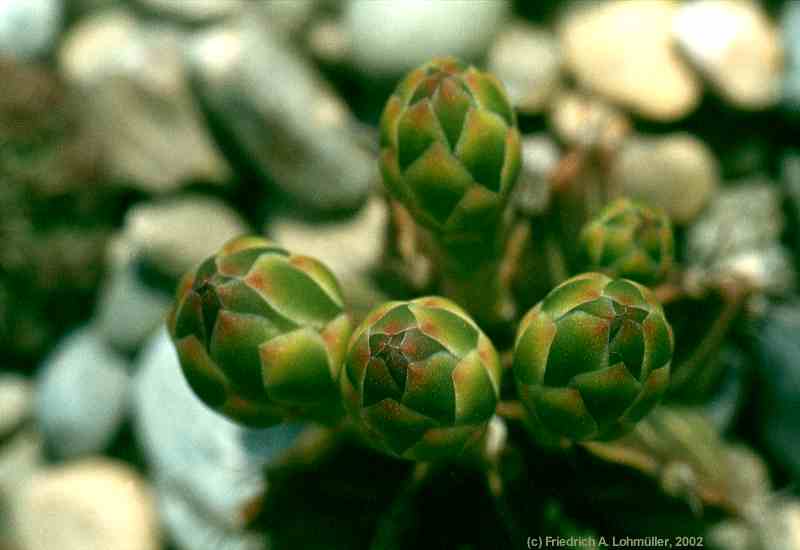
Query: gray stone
82, 395
790, 26
20, 459
16, 403
359, 241
722, 407
742, 57
288, 16
588, 122
779, 384
191, 529
540, 155
195, 11
81, 8
730, 535
781, 528
94, 504
128, 311
774, 526
527, 60
738, 236
790, 178
278, 110
177, 234
328, 41
389, 38
28, 28
676, 172
139, 102
204, 466
623, 51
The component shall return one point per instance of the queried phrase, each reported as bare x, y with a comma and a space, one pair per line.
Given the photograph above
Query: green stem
496, 486
472, 276
389, 532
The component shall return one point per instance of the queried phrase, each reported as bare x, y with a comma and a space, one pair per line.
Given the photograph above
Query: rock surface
389, 39
20, 459
194, 11
205, 467
279, 112
735, 46
776, 526
779, 374
588, 122
82, 395
133, 77
739, 235
790, 27
362, 237
527, 60
128, 310
177, 234
28, 28
623, 51
790, 179
95, 504
540, 155
676, 172
16, 403
20, 444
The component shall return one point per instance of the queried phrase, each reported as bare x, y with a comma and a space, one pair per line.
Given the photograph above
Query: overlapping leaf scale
593, 357
420, 379
271, 329
447, 132
631, 240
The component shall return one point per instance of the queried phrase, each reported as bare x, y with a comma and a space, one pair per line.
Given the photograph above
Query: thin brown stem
556, 262
514, 251
734, 298
511, 410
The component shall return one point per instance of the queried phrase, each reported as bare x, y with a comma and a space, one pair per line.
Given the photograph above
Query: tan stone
94, 504
623, 50
676, 172
736, 47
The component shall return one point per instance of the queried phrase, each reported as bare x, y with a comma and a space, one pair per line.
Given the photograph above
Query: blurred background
137, 136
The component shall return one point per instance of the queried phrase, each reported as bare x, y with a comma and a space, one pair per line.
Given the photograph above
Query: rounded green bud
261, 334
450, 148
420, 380
593, 357
628, 239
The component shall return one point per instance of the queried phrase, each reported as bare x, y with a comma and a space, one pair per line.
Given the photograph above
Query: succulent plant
593, 357
420, 380
450, 149
630, 240
261, 333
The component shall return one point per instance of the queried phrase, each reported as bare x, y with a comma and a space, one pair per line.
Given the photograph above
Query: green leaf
475, 394
580, 345
607, 393
449, 329
398, 426
482, 147
562, 411
429, 388
292, 292
234, 346
295, 368
437, 181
